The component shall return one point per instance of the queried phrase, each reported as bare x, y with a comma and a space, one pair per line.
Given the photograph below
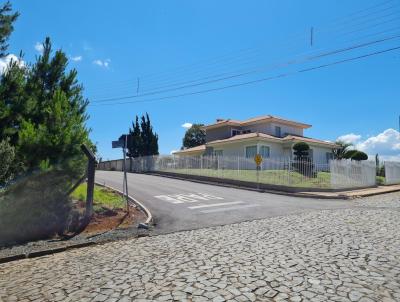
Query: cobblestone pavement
330, 255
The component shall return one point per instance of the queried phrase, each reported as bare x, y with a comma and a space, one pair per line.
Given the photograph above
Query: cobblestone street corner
330, 255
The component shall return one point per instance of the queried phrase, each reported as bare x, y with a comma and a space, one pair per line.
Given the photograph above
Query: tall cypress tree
143, 141
135, 140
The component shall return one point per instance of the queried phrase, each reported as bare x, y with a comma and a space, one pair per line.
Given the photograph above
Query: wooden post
90, 180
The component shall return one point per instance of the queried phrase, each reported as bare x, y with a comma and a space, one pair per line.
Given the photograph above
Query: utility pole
125, 174
312, 36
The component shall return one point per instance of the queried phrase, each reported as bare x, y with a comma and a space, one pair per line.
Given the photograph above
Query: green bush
301, 150
36, 207
349, 154
359, 155
355, 155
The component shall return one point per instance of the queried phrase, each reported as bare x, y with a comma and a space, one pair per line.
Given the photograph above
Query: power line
229, 74
292, 62
158, 75
259, 80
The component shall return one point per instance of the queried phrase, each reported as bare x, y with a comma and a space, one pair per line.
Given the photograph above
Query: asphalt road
183, 205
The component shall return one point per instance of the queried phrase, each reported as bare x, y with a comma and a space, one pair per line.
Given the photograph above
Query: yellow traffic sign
258, 159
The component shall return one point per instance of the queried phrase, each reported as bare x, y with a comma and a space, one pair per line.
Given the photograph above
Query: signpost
258, 160
122, 142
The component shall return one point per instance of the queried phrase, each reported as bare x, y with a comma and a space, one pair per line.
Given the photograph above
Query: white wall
238, 149
319, 154
269, 128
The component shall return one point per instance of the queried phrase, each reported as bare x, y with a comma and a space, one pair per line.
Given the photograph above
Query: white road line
215, 205
229, 208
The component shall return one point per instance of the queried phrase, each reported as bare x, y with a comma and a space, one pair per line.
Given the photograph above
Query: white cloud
39, 47
386, 144
4, 62
187, 125
350, 138
76, 58
102, 63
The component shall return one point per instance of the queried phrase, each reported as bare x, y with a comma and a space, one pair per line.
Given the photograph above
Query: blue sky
166, 43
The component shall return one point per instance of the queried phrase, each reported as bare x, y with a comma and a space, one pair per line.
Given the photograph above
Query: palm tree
341, 151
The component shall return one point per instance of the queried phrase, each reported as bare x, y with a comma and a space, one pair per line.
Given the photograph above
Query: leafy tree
301, 150
341, 151
194, 136
7, 19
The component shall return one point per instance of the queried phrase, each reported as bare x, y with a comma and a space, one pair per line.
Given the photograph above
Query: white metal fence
392, 172
347, 173
337, 174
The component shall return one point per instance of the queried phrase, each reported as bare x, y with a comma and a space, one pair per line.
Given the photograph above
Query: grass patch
273, 177
102, 197
380, 180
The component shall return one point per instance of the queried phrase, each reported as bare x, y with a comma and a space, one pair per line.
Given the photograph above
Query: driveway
183, 205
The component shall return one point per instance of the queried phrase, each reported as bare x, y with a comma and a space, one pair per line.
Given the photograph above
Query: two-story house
268, 135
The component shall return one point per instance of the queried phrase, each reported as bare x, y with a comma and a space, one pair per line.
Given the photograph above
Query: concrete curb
133, 200
45, 252
317, 195
221, 184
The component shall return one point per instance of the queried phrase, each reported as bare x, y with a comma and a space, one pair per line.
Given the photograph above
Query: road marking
229, 208
187, 198
215, 205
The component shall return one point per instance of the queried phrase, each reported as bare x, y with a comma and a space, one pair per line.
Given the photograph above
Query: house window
329, 156
236, 132
251, 151
264, 151
246, 131
218, 153
278, 131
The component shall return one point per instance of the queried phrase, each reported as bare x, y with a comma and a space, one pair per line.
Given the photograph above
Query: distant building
267, 135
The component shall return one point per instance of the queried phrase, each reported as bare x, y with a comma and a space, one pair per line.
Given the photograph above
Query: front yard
273, 177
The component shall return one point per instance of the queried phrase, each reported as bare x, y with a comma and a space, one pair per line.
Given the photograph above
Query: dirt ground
112, 219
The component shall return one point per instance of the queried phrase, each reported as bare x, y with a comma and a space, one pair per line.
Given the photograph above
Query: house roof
257, 135
263, 136
269, 118
240, 137
200, 148
309, 140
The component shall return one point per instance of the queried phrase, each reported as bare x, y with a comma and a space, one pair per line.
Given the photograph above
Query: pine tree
135, 139
7, 20
143, 140
42, 110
